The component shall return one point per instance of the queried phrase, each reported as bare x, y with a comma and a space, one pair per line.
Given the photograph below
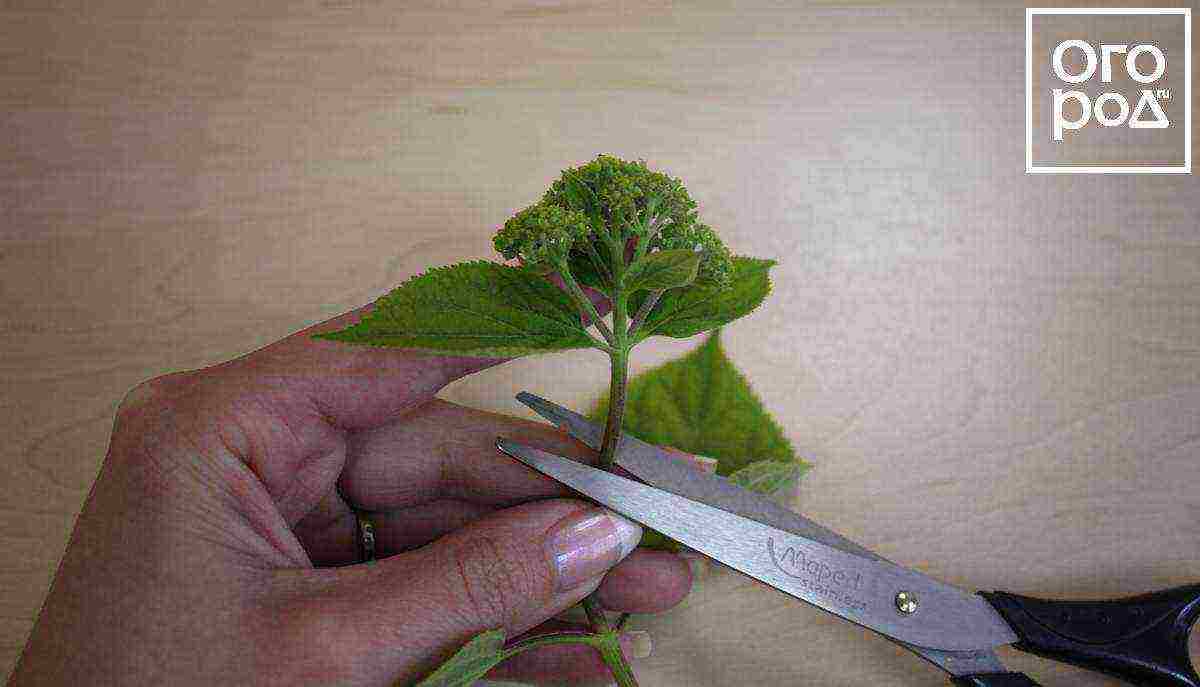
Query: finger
566, 664
282, 410
401, 616
347, 384
442, 450
412, 528
352, 385
281, 414
646, 582
330, 532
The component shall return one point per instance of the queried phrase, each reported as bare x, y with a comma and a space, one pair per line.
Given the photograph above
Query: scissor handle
1141, 639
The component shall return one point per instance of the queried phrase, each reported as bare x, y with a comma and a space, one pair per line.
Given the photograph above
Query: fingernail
588, 543
637, 644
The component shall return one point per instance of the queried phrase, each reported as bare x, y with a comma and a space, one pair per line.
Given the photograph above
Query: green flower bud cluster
611, 200
716, 266
626, 197
542, 234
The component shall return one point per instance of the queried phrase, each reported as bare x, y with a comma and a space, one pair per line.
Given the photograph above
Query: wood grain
997, 374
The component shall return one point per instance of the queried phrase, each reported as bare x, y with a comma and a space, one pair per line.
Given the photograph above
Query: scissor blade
673, 473
861, 590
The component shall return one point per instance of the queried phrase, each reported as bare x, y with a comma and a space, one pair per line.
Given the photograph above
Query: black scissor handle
1140, 639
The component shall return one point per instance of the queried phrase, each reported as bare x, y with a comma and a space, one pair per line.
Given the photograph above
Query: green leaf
769, 477
664, 269
701, 404
685, 312
473, 308
583, 268
470, 663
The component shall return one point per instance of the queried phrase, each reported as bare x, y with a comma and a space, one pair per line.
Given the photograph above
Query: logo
1108, 90
794, 562
817, 577
1148, 97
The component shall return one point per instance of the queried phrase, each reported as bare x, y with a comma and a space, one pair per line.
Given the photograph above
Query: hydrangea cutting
613, 253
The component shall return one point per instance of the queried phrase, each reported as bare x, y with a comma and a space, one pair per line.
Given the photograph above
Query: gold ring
366, 537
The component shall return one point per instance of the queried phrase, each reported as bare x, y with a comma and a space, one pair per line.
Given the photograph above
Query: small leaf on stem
769, 477
685, 312
664, 269
470, 663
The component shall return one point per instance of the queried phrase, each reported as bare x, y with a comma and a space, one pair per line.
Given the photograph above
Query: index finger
353, 386
446, 451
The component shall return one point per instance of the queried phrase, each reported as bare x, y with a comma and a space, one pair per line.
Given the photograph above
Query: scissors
1142, 640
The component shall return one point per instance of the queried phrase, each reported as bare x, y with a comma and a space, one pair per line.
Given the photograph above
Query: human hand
203, 553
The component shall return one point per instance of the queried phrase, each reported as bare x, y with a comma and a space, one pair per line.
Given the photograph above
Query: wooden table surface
996, 374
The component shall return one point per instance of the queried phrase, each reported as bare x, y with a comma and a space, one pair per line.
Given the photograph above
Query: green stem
619, 359
645, 238
551, 640
610, 651
609, 644
597, 262
595, 615
607, 640
616, 408
584, 303
644, 311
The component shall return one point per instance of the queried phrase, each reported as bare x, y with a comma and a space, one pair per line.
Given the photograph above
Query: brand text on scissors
817, 575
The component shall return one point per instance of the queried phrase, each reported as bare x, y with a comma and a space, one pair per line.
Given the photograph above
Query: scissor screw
906, 603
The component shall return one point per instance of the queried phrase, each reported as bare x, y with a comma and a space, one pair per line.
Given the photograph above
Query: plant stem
616, 409
609, 644
595, 615
584, 303
551, 640
643, 311
610, 651
598, 263
607, 640
619, 359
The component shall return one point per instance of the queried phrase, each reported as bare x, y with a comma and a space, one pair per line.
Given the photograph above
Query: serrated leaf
664, 269
470, 663
685, 312
769, 477
473, 308
701, 404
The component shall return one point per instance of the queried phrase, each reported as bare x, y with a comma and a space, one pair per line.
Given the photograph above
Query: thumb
397, 619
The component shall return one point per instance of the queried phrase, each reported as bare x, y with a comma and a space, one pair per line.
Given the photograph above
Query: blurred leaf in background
701, 404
